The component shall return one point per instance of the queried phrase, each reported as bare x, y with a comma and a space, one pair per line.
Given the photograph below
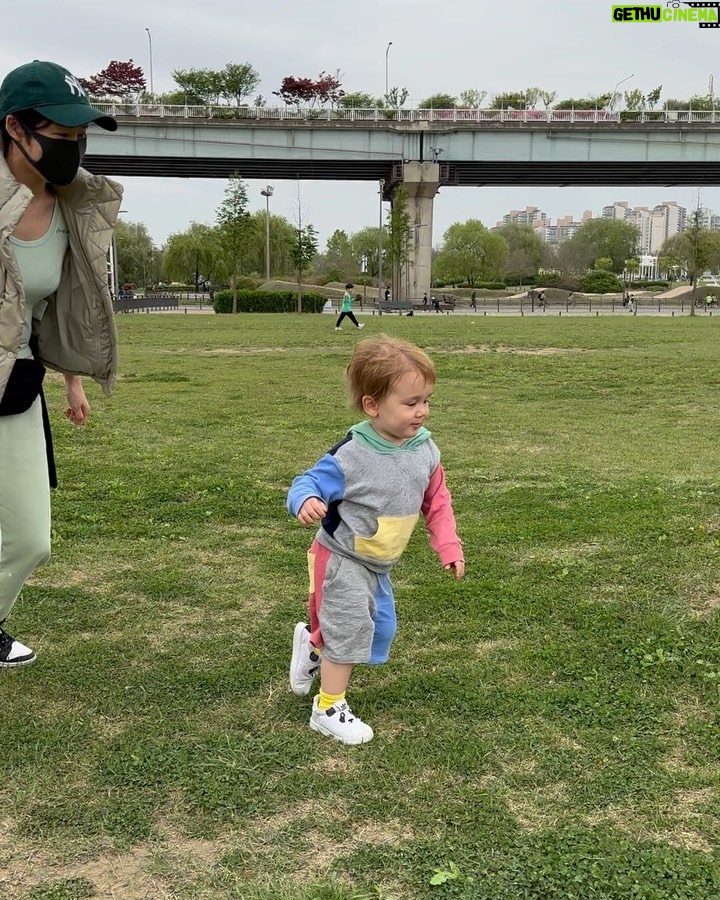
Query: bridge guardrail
478, 116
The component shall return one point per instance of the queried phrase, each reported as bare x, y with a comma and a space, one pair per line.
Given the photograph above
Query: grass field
546, 728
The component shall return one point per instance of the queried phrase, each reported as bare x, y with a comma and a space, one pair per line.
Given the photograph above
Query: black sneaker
13, 653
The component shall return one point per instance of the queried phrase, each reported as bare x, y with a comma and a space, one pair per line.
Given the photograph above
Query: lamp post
387, 83
622, 81
114, 266
267, 194
152, 85
380, 243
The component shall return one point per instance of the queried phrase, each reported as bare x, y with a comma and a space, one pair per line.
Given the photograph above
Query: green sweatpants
24, 502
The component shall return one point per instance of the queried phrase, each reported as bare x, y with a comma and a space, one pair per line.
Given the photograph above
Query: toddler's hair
378, 363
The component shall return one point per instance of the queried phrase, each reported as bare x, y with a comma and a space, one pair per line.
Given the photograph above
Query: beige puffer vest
76, 335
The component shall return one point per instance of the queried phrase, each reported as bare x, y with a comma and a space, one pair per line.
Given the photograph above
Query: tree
472, 99
616, 240
234, 226
303, 253
653, 96
400, 234
304, 91
573, 258
365, 246
282, 238
438, 101
603, 101
338, 261
203, 87
632, 266
195, 255
471, 253
238, 81
138, 257
396, 97
694, 250
515, 100
357, 100
527, 252
635, 100
548, 98
118, 79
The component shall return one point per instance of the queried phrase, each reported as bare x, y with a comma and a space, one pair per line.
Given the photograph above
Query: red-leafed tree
118, 79
299, 91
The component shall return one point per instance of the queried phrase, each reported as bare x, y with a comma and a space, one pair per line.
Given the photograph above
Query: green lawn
547, 728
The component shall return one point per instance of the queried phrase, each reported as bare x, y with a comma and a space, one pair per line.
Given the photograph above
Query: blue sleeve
325, 480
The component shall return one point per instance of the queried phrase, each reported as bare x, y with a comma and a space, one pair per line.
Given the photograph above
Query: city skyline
655, 223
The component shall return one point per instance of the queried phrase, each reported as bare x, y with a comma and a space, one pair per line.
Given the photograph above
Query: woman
56, 224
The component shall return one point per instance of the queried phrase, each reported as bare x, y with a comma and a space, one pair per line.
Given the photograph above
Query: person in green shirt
346, 309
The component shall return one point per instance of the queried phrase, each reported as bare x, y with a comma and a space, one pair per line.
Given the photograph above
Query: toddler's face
401, 413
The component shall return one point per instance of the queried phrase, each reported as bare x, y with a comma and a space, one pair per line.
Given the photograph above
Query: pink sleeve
440, 521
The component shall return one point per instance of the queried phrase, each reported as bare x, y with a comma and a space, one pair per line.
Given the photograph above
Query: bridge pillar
421, 182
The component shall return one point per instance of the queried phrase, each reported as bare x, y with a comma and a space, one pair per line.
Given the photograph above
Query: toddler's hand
457, 567
312, 511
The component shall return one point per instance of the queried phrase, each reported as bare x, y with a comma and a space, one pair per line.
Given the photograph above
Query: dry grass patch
566, 554
476, 349
539, 809
677, 818
133, 875
704, 603
488, 648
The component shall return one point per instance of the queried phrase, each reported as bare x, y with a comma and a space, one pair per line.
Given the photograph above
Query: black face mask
60, 158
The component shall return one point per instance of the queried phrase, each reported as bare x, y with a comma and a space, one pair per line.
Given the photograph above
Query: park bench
396, 306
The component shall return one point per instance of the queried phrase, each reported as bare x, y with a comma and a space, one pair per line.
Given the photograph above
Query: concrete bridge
422, 149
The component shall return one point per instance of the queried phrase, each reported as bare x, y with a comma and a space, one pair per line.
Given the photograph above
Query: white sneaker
338, 328
13, 653
340, 723
361, 326
305, 662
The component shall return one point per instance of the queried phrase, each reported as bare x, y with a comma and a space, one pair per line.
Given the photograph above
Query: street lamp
622, 81
114, 264
380, 242
152, 85
267, 194
387, 51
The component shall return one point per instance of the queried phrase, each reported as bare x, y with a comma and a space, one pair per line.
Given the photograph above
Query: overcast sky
560, 45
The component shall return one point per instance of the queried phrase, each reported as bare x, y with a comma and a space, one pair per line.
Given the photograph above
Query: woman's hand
78, 408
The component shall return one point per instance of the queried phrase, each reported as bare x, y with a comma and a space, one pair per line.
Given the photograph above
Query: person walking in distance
346, 309
56, 224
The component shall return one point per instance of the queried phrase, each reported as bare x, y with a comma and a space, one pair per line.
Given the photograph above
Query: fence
470, 116
588, 306
150, 302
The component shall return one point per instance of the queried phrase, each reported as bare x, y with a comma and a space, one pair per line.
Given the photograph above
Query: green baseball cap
54, 92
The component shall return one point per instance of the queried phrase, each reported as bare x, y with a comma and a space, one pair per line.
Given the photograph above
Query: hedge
268, 302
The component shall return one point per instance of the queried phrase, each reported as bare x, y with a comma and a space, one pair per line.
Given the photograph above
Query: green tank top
40, 263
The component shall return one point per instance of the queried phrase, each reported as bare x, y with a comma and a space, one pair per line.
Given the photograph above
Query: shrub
562, 282
268, 301
600, 281
247, 283
649, 285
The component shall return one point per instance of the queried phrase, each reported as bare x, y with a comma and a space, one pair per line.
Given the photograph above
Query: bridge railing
263, 113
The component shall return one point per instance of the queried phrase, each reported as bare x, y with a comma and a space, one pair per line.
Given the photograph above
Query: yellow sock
328, 700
